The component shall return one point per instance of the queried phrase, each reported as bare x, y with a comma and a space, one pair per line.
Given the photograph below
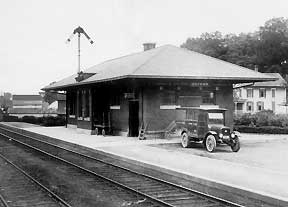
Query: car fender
211, 132
184, 130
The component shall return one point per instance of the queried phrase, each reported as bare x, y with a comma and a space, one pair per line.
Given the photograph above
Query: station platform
251, 171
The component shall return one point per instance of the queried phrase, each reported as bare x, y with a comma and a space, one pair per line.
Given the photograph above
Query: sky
33, 52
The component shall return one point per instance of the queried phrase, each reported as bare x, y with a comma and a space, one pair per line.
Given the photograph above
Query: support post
83, 97
77, 105
90, 107
78, 53
67, 107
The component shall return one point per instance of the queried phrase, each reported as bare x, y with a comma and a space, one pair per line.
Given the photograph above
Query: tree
272, 50
6, 102
266, 48
211, 44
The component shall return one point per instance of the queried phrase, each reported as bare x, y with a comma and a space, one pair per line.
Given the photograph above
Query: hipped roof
280, 82
169, 62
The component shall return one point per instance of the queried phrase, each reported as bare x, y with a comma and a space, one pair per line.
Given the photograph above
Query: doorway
133, 118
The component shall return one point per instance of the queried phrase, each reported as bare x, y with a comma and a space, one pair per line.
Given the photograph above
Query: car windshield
216, 118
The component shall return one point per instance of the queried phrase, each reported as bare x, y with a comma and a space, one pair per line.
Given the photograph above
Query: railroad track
75, 185
161, 192
19, 189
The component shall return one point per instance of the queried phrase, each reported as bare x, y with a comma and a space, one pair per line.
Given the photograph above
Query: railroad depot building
144, 90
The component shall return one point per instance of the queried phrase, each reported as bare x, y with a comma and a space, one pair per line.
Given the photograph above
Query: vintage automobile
206, 125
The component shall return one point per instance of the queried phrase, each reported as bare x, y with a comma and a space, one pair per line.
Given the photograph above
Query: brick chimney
149, 46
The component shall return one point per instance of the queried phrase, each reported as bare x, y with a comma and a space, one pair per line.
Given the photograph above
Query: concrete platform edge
204, 181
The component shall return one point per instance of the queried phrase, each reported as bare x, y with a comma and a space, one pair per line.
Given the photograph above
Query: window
168, 97
115, 100
71, 104
239, 106
260, 105
239, 92
80, 99
216, 118
83, 105
189, 101
208, 97
273, 106
262, 93
86, 101
249, 93
273, 90
249, 106
192, 114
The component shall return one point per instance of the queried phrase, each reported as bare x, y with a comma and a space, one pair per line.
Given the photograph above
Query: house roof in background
27, 97
280, 82
169, 62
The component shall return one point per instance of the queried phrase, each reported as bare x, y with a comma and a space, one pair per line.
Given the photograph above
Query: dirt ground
259, 150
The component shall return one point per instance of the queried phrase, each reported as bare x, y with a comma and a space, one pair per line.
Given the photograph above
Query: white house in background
270, 95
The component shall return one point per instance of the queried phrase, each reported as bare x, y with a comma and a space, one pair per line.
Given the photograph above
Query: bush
30, 119
53, 121
245, 119
262, 130
282, 119
262, 122
8, 118
44, 121
263, 118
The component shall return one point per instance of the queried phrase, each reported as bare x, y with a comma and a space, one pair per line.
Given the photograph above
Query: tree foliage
266, 48
6, 102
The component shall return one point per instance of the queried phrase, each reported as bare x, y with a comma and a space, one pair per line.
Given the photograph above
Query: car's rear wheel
235, 145
185, 140
210, 143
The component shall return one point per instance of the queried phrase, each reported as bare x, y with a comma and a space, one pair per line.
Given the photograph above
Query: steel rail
36, 182
91, 172
3, 201
223, 201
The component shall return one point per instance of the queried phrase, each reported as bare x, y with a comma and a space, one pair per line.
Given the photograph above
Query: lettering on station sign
193, 84
199, 84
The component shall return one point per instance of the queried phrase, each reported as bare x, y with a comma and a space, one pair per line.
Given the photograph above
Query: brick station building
144, 89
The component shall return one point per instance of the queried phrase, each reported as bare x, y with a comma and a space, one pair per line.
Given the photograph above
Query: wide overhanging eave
231, 79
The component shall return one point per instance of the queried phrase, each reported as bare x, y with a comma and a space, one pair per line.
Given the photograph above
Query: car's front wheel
185, 140
210, 143
235, 145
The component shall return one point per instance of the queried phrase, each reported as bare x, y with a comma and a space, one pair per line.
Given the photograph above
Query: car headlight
220, 135
232, 135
